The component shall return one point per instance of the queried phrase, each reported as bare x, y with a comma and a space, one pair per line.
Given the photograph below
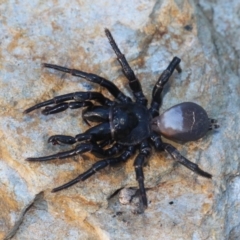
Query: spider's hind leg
139, 162
175, 154
185, 162
162, 80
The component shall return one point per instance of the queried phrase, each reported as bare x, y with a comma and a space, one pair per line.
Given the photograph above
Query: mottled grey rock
182, 205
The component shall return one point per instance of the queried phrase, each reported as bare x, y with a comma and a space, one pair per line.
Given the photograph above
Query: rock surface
182, 205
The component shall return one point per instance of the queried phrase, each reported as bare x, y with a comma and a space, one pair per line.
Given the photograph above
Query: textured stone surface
182, 205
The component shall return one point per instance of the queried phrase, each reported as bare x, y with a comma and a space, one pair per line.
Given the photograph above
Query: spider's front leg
98, 166
94, 148
97, 133
94, 114
80, 100
94, 134
111, 87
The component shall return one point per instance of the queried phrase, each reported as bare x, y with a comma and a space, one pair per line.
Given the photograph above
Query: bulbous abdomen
184, 122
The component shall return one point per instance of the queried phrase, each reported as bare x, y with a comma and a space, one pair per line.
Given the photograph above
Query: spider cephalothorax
125, 125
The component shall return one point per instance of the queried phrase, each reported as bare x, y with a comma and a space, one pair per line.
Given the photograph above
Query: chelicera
126, 125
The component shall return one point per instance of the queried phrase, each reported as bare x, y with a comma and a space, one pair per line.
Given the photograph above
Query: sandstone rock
182, 205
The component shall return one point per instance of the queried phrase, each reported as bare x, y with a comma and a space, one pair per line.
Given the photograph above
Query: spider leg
98, 166
97, 133
185, 162
128, 72
104, 143
163, 79
174, 153
63, 106
111, 87
79, 97
138, 164
97, 149
96, 114
111, 151
79, 149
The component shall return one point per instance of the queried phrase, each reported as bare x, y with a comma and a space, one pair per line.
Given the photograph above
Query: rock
182, 205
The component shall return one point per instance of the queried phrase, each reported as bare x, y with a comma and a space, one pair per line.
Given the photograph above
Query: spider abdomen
183, 122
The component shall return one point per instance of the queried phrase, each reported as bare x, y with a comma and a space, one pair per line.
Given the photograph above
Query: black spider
126, 125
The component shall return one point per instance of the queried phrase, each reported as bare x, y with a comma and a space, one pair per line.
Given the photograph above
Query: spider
124, 125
